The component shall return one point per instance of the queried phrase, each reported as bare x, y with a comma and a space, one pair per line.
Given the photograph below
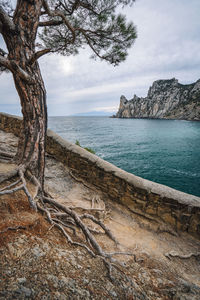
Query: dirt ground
36, 262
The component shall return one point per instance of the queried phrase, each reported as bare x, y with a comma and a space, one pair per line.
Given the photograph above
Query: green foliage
90, 150
94, 23
86, 148
77, 143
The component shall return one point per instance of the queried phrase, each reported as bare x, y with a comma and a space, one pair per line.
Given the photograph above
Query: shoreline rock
166, 99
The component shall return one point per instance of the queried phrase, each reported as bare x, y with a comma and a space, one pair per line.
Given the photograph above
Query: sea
163, 151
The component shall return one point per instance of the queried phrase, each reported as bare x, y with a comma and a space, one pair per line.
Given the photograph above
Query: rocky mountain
166, 99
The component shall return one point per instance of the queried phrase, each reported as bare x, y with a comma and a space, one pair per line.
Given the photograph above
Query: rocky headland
166, 99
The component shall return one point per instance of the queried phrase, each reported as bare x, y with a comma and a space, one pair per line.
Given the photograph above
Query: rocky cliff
166, 99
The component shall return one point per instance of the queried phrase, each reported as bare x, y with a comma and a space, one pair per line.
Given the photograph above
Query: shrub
86, 148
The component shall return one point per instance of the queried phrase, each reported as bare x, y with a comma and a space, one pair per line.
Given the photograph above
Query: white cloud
56, 64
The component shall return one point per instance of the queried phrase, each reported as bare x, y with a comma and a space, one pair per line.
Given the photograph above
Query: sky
168, 45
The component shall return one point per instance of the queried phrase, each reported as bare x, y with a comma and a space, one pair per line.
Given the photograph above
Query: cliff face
166, 99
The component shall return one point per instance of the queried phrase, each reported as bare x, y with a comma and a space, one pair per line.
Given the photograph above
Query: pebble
26, 291
37, 252
21, 280
112, 293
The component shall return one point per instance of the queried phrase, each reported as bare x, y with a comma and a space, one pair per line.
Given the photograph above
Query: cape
166, 99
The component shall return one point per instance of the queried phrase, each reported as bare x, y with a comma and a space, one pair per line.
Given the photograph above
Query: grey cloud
167, 46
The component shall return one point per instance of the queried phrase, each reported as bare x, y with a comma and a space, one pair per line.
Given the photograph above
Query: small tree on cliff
38, 27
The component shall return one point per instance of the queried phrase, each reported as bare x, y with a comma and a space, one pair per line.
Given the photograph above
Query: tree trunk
31, 147
21, 47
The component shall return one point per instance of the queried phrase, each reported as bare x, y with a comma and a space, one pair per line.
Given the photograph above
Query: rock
21, 280
37, 252
23, 291
112, 293
11, 249
166, 99
54, 280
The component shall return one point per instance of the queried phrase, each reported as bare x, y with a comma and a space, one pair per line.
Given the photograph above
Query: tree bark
32, 144
31, 90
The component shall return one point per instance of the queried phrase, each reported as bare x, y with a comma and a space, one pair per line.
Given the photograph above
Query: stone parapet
10, 123
180, 210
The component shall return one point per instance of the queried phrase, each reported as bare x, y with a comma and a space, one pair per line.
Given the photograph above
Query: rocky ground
36, 262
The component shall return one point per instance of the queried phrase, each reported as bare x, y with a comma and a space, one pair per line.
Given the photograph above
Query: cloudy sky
168, 45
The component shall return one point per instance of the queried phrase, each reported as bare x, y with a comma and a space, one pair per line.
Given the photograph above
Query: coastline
152, 118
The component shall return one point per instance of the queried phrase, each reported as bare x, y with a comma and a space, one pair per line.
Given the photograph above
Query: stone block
168, 218
151, 210
153, 197
185, 218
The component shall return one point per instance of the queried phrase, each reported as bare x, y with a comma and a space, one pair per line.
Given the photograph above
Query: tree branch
2, 52
50, 23
21, 73
90, 44
6, 22
38, 54
88, 7
5, 63
14, 68
57, 13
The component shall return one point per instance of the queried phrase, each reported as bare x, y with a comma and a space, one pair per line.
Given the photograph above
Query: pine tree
39, 27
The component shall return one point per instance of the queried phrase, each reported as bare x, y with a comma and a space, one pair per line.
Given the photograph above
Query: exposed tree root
4, 192
10, 185
60, 227
85, 208
75, 243
86, 230
65, 225
30, 198
67, 219
79, 223
107, 231
187, 256
94, 230
21, 172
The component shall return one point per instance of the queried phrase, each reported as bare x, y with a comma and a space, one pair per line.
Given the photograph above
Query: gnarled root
16, 186
67, 220
107, 231
94, 249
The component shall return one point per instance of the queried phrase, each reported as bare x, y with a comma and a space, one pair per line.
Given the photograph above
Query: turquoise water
164, 151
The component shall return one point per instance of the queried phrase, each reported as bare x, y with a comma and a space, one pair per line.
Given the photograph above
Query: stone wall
141, 196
